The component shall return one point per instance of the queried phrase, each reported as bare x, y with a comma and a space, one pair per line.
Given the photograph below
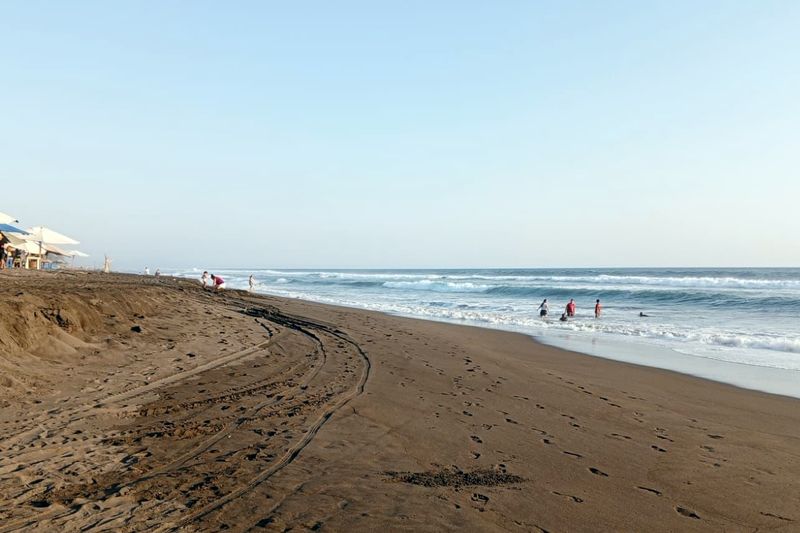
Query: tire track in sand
294, 451
57, 420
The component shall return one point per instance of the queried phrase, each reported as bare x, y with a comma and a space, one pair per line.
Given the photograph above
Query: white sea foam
751, 332
534, 280
437, 286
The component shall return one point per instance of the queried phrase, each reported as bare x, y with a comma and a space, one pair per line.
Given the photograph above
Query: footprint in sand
575, 499
770, 515
597, 472
476, 438
687, 513
648, 489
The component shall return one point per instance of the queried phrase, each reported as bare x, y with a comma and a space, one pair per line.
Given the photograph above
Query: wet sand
136, 404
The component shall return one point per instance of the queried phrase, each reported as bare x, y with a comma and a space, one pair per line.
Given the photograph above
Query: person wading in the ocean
543, 308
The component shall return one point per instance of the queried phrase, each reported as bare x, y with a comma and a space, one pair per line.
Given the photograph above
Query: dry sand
246, 413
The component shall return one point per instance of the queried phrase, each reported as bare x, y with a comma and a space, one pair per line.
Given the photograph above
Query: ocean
736, 325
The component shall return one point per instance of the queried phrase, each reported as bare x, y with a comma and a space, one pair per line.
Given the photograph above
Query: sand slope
244, 413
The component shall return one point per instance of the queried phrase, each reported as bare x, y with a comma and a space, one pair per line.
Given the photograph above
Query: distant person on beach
204, 279
597, 308
563, 317
218, 282
571, 307
146, 271
158, 272
543, 308
251, 281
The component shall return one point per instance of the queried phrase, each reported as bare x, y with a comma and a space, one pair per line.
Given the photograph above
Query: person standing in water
543, 308
252, 282
571, 307
597, 308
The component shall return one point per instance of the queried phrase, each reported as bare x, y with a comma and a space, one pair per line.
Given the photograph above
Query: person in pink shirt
218, 282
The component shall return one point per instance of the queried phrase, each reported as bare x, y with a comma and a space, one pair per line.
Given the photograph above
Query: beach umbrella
15, 238
7, 219
8, 228
53, 249
48, 236
43, 236
76, 253
28, 246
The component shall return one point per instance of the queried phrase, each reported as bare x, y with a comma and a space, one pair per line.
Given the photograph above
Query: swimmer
543, 308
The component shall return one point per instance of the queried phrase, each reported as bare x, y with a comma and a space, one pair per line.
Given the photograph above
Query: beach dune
142, 404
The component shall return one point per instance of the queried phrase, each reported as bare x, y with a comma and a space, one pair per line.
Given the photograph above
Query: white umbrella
44, 236
28, 246
48, 236
76, 253
15, 238
7, 219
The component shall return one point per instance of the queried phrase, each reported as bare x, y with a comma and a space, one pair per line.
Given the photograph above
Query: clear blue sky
406, 134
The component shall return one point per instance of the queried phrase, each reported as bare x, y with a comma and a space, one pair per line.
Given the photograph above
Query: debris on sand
455, 477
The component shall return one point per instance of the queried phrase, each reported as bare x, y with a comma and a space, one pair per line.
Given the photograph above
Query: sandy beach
142, 404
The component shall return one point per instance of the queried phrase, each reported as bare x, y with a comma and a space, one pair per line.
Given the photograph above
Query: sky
405, 134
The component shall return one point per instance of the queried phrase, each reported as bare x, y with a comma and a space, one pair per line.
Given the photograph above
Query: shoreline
614, 346
151, 402
650, 355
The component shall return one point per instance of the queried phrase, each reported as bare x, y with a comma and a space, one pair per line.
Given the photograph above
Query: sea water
736, 325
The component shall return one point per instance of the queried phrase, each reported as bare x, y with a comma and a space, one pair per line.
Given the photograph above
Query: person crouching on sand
204, 279
218, 282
